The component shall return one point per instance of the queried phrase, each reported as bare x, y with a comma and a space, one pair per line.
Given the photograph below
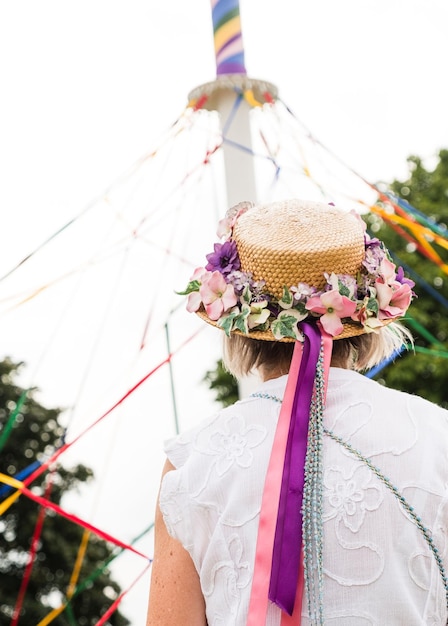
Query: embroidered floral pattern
230, 574
233, 445
350, 495
212, 508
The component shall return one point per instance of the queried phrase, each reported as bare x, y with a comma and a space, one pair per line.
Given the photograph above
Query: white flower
233, 445
350, 495
258, 313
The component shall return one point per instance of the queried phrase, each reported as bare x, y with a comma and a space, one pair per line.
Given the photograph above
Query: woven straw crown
294, 241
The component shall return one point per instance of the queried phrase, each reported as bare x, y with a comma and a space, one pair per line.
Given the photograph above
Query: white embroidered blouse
379, 569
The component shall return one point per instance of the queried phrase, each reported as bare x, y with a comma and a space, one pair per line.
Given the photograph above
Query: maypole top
228, 39
256, 92
231, 73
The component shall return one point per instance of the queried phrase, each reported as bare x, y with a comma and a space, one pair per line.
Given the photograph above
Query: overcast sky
88, 87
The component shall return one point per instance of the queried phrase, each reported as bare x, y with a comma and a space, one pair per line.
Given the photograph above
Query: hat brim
350, 329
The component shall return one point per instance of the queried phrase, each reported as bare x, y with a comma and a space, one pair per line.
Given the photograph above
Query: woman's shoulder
241, 420
349, 387
423, 405
179, 447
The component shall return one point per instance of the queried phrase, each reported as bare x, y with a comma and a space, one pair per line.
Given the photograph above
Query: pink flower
333, 307
194, 299
226, 225
216, 295
359, 218
366, 317
387, 271
394, 300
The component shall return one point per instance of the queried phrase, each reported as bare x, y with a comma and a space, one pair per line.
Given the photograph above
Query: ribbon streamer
274, 480
44, 466
21, 488
266, 529
73, 581
31, 557
114, 606
288, 534
6, 431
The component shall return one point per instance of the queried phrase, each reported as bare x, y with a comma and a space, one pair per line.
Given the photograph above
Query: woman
322, 498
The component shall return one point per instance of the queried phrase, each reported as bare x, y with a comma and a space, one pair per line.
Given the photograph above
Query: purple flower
241, 280
374, 254
371, 241
224, 259
401, 278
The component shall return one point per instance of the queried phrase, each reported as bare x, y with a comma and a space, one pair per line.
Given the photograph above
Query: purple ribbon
288, 532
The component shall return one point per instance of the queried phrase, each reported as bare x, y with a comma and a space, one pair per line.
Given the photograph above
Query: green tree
422, 372
37, 432
223, 383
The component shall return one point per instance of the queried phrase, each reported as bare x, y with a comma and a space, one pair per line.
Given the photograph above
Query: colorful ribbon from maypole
48, 504
34, 546
228, 39
50, 617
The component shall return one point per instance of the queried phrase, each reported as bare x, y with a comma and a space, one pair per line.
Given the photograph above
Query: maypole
233, 95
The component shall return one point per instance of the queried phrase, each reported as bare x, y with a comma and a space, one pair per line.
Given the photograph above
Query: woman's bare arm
175, 596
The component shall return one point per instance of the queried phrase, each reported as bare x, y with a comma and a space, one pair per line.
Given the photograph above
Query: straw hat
285, 243
292, 260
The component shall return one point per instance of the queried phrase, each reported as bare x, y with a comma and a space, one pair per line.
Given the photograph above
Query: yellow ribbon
73, 580
250, 99
12, 482
420, 232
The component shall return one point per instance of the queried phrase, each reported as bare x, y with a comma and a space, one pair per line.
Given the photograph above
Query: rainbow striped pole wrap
229, 49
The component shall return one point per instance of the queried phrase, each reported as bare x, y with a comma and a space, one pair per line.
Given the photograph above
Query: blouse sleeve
178, 488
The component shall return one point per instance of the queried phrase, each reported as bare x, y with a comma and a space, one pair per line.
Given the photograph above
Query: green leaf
287, 299
372, 305
286, 326
247, 295
300, 307
192, 286
343, 289
240, 321
226, 322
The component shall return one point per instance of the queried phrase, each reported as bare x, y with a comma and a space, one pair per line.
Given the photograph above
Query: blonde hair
243, 355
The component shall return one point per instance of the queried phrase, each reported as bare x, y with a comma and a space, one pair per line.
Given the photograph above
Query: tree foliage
223, 383
422, 372
37, 432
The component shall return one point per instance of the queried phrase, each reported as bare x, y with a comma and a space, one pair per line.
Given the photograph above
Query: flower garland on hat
377, 295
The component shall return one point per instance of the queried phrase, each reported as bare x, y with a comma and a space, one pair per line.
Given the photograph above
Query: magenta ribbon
288, 532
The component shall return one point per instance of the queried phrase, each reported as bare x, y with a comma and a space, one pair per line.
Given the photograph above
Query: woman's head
242, 355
